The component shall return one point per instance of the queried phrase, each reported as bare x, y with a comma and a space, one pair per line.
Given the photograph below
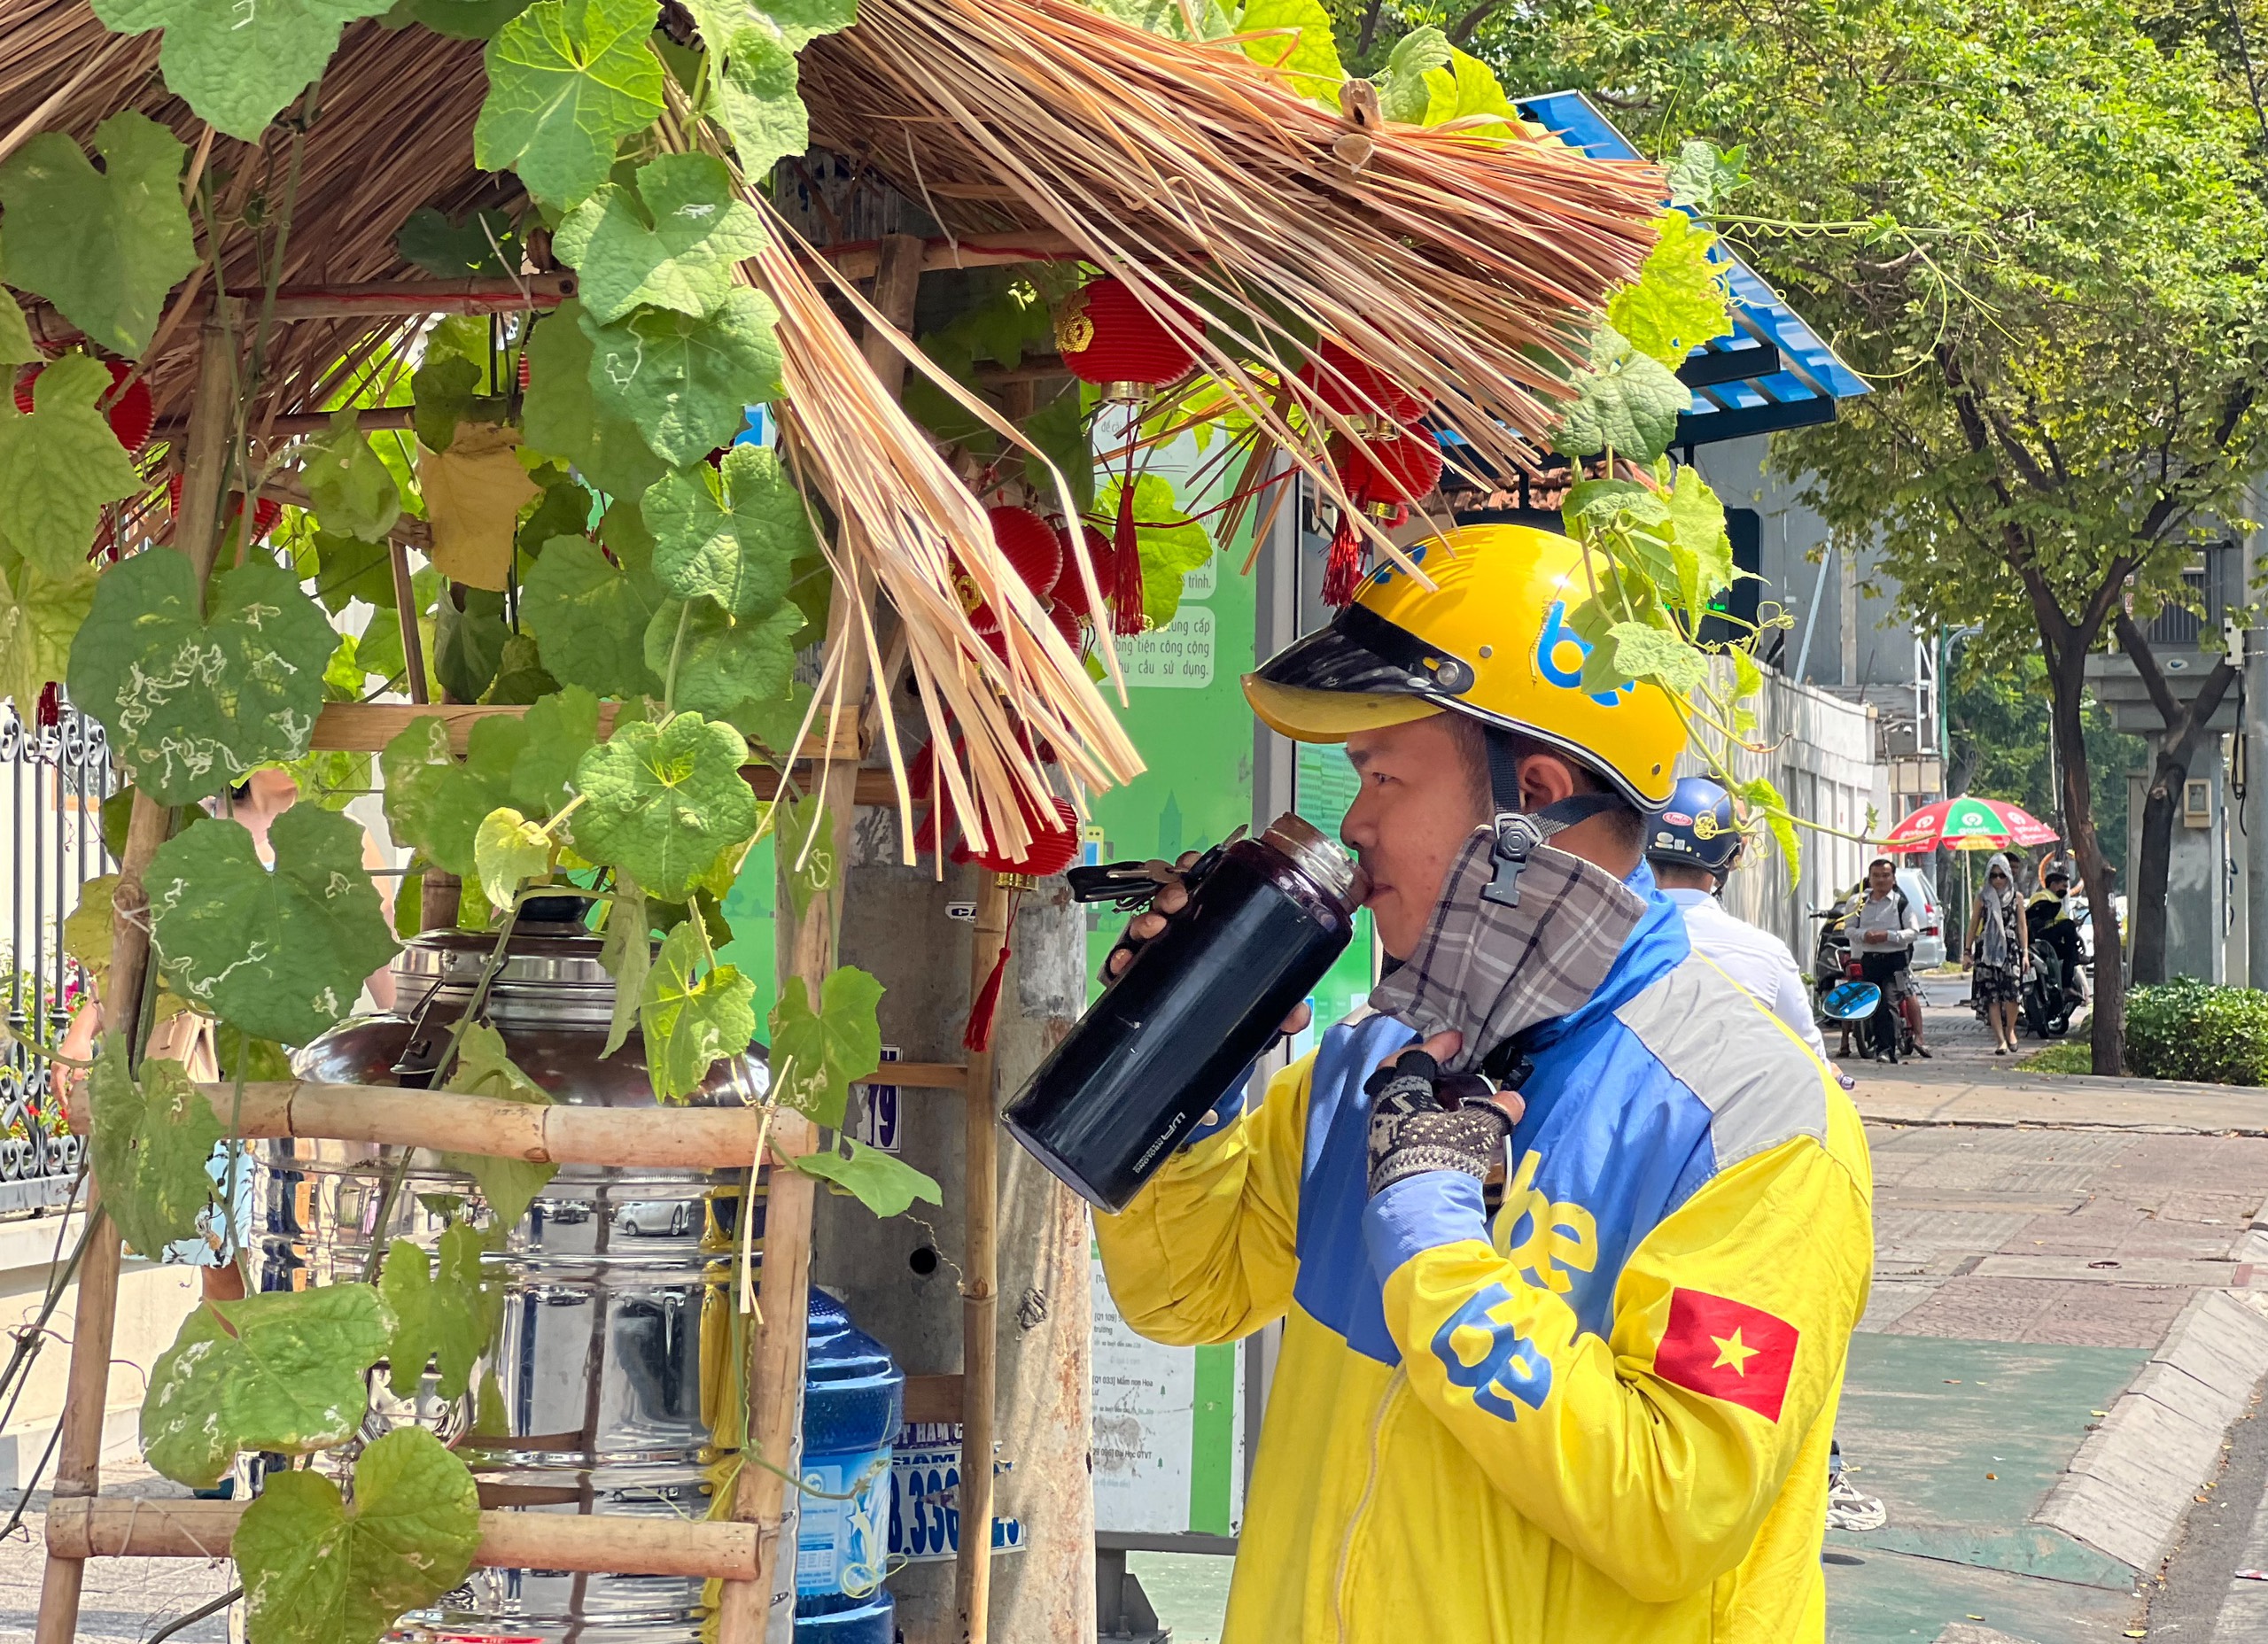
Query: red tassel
978, 1034
1342, 572
1126, 554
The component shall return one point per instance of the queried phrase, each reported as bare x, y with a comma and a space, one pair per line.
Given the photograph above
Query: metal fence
58, 776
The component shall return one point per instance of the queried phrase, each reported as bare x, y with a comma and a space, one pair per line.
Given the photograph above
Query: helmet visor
1361, 673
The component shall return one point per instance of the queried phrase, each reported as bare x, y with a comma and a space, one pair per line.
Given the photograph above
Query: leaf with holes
442, 1317
1626, 401
103, 247
190, 703
484, 1068
671, 241
508, 850
816, 1054
151, 1140
318, 1571
733, 533
237, 64
691, 1010
1679, 300
280, 1371
662, 801
879, 1180
561, 417
567, 81
721, 666
39, 618
589, 618
59, 465
281, 954
352, 492
686, 381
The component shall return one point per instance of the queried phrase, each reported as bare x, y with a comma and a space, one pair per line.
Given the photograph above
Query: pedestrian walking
1999, 951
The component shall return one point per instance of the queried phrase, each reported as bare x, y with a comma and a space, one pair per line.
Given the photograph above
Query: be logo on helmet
1555, 647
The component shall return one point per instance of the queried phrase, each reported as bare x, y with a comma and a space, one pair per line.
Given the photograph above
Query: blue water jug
854, 1395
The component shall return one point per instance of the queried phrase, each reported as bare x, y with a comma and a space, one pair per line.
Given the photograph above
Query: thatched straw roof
1468, 267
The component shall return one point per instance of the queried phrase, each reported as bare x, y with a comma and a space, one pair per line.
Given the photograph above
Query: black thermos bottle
1184, 1020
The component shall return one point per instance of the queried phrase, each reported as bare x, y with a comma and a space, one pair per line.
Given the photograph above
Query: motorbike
1841, 997
2051, 997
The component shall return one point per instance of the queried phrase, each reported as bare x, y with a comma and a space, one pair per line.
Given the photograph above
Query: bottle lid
1314, 855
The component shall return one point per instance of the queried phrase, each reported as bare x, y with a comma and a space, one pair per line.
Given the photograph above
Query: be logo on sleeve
1728, 1350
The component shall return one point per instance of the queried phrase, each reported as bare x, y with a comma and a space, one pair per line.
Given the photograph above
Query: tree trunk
2168, 771
2067, 682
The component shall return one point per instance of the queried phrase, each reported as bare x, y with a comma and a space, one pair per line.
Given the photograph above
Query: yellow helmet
1490, 639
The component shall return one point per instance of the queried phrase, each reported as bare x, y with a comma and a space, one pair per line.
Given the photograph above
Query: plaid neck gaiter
1489, 969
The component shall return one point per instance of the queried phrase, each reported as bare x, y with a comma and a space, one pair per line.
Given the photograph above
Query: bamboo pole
980, 1304
775, 1369
615, 1543
79, 1446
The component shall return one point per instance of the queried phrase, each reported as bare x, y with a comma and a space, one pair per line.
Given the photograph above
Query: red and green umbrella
1969, 823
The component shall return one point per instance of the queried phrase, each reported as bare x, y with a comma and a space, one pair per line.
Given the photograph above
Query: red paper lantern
267, 514
1055, 843
1070, 587
1354, 388
1106, 335
1030, 546
1067, 623
1382, 475
131, 418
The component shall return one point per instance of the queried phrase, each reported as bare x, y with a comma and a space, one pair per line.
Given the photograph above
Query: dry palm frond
1467, 266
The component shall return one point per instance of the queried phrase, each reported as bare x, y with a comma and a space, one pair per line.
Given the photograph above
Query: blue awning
1775, 372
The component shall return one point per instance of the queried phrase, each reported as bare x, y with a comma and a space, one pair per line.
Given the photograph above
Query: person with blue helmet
1693, 847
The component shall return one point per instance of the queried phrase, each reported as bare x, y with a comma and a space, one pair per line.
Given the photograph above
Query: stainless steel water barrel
613, 1386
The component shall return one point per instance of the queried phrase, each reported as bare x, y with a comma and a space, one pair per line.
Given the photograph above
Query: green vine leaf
560, 729
352, 491
1466, 89
807, 850
1172, 543
686, 381
520, 677
105, 247
346, 570
1679, 300
508, 851
589, 618
150, 1142
671, 241
442, 394
467, 249
1642, 651
436, 805
754, 79
484, 1068
281, 954
663, 801
793, 24
192, 703
443, 1318
724, 666
817, 1055
1703, 176
463, 20
39, 618
733, 533
59, 465
280, 1371
628, 952
16, 344
317, 1571
567, 81
1699, 546
469, 644
1404, 93
881, 1182
691, 1010
235, 65
1303, 49
1628, 400
561, 417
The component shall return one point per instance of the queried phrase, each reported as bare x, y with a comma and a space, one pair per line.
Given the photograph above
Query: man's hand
1144, 926
1422, 1120
1875, 935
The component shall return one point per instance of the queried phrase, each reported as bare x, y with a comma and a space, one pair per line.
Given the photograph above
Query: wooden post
775, 1367
79, 1447
980, 1304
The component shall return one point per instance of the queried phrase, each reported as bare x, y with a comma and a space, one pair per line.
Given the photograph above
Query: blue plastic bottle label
839, 1542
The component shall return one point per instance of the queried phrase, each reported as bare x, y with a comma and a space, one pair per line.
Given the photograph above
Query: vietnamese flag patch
1728, 1350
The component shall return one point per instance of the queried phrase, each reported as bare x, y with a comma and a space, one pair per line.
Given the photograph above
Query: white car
1928, 914
662, 1218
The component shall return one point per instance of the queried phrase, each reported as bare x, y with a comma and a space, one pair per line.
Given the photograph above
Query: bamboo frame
980, 1308
617, 1543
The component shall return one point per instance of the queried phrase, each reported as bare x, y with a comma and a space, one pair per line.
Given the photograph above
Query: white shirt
1884, 914
1757, 960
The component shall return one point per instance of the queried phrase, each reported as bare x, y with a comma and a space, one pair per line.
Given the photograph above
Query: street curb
2128, 1486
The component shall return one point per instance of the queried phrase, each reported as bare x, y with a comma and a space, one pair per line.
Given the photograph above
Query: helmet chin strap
1519, 832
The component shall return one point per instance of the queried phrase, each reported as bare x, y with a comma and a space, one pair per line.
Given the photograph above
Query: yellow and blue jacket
1604, 1419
